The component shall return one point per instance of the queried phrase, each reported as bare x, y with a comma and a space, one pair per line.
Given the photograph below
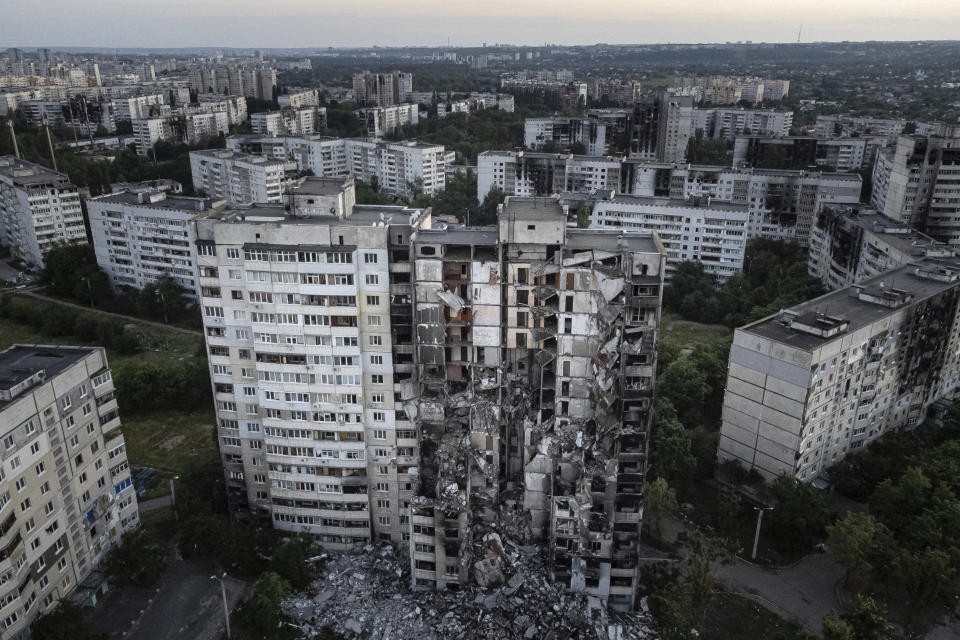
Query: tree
71, 271
865, 620
138, 560
800, 517
659, 500
673, 451
685, 386
836, 628
65, 622
488, 209
855, 541
578, 149
260, 617
583, 217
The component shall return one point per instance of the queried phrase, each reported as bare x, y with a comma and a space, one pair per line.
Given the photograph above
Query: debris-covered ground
368, 594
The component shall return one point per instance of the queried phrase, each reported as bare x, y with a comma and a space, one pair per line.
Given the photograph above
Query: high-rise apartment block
782, 203
303, 121
378, 378
815, 382
299, 99
917, 182
722, 123
224, 174
699, 228
381, 120
381, 89
141, 237
849, 244
399, 167
65, 496
39, 209
561, 132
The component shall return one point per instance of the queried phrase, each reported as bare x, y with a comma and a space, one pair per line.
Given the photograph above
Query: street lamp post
223, 592
756, 537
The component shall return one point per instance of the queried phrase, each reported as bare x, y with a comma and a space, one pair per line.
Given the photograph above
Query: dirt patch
170, 443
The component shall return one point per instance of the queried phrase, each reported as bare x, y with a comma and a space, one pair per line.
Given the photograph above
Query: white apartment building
815, 382
399, 167
564, 131
782, 203
845, 126
525, 173
137, 107
307, 323
66, 496
189, 128
300, 99
224, 174
676, 113
729, 123
381, 120
39, 209
305, 121
235, 107
141, 237
918, 183
148, 131
698, 229
848, 245
382, 89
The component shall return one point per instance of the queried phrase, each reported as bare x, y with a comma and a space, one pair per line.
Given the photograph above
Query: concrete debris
368, 594
452, 300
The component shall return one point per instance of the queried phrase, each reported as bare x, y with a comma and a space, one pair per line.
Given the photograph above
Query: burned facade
535, 351
449, 390
815, 382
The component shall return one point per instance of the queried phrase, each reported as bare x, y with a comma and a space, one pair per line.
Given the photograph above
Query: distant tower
799, 32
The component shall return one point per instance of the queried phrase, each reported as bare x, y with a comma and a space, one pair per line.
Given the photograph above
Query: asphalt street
185, 604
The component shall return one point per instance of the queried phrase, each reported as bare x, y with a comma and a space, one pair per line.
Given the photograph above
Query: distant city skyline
303, 23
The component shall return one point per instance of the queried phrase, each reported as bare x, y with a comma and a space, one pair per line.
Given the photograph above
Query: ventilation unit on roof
819, 324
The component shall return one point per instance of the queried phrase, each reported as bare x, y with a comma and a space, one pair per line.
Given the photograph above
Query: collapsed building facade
449, 390
535, 351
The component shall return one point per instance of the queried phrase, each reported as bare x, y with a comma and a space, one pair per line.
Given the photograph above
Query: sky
364, 23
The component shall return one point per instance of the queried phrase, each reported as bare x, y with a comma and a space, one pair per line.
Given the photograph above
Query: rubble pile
368, 595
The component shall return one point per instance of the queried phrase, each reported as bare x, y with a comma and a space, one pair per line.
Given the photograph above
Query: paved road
156, 503
186, 605
803, 593
134, 319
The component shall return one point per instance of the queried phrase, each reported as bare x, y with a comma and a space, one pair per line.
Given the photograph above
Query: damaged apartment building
452, 390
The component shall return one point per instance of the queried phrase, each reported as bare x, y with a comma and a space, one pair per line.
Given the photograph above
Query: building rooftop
362, 215
224, 154
611, 240
896, 234
846, 310
532, 208
161, 200
704, 202
21, 362
458, 234
321, 186
29, 174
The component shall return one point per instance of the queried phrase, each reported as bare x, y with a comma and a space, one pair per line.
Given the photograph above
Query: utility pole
53, 158
756, 537
223, 592
13, 136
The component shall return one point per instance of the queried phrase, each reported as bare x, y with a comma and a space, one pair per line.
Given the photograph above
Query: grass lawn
731, 617
686, 334
166, 440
